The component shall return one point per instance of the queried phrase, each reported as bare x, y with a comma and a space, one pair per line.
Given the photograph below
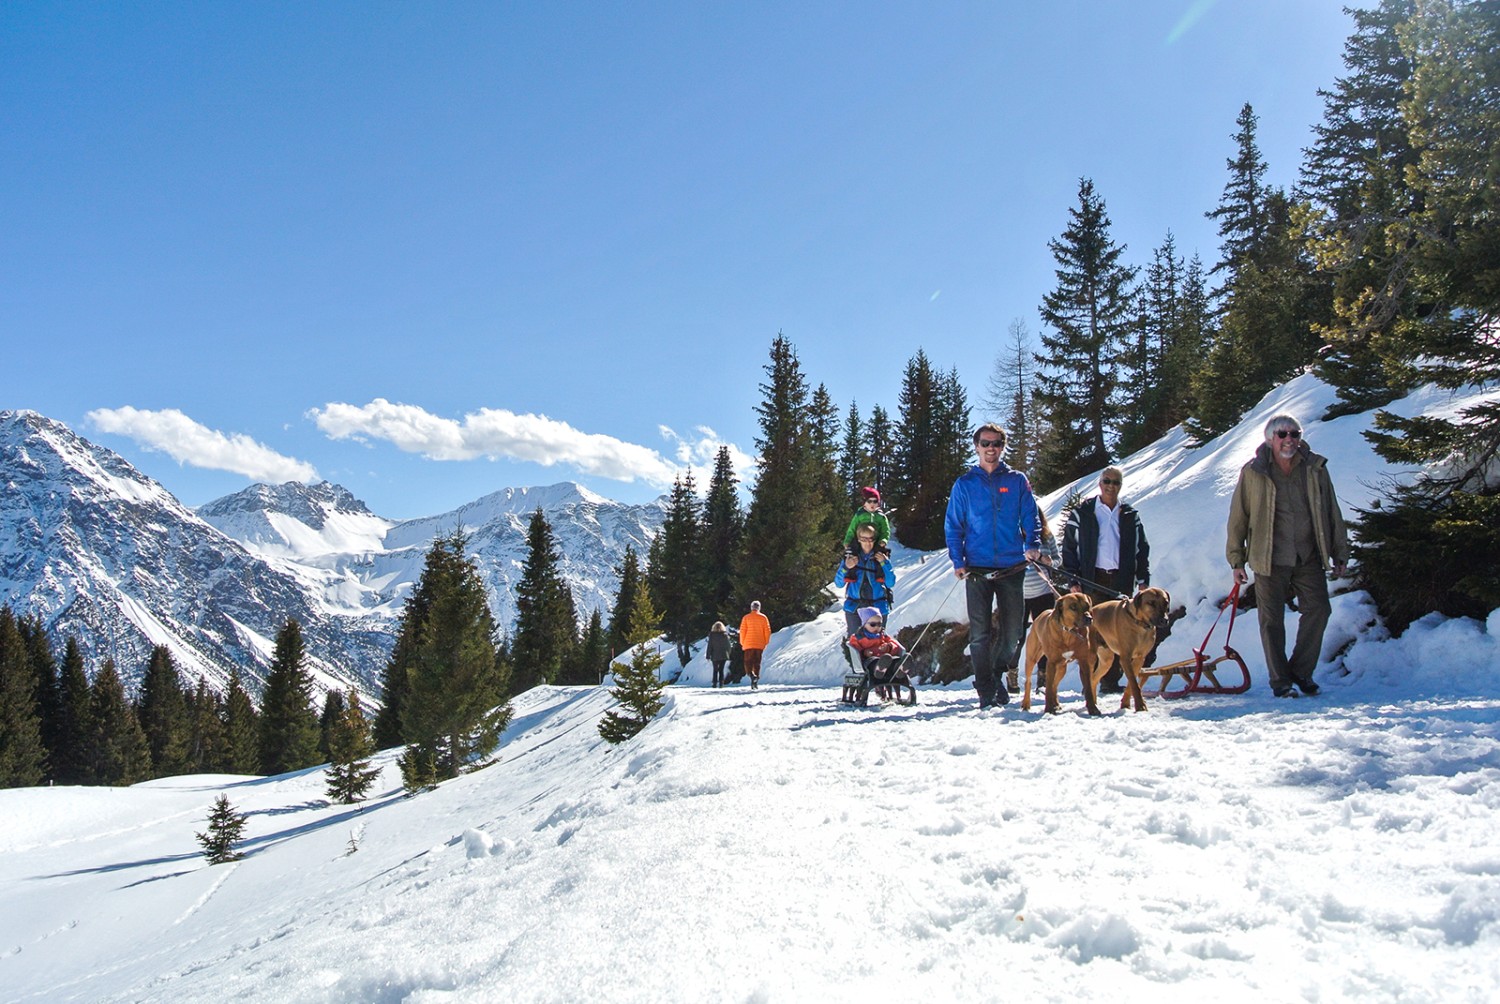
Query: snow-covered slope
775, 846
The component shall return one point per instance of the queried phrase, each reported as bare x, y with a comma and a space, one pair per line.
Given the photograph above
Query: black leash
1046, 574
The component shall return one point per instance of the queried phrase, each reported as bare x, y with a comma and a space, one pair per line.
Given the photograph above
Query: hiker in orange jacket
755, 635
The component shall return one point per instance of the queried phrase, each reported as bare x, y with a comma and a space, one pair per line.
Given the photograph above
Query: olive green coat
1253, 511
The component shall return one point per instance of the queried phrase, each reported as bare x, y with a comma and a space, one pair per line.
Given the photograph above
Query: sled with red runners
1200, 674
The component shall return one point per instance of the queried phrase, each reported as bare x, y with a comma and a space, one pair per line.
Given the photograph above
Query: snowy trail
778, 846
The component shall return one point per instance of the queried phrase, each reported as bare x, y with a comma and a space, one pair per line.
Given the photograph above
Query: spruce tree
787, 557
118, 751
205, 733
47, 694
674, 573
333, 709
631, 581
288, 724
239, 751
1007, 397
855, 471
349, 750
225, 831
826, 428
457, 701
393, 681
72, 756
723, 528
592, 658
546, 622
882, 449
22, 755
162, 710
1357, 176
638, 688
1090, 317
1432, 543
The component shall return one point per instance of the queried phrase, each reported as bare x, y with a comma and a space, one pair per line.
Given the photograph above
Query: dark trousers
719, 672
1307, 583
1106, 577
990, 649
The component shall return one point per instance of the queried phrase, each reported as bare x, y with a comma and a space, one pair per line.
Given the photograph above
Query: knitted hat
870, 493
866, 613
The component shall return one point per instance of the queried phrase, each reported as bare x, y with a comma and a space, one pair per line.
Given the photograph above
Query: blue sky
421, 249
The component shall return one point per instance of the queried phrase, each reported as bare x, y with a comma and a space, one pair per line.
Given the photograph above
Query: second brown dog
1126, 628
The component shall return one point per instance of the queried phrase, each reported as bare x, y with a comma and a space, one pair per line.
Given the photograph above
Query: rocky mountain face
109, 556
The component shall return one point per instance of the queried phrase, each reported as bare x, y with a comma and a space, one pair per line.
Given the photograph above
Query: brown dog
1126, 628
1057, 634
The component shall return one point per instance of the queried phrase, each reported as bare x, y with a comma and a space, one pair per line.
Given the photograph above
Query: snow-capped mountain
354, 562
106, 554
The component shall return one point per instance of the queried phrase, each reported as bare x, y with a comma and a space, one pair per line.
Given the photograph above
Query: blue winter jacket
991, 520
868, 584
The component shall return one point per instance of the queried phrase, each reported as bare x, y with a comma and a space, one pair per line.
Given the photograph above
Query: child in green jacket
869, 514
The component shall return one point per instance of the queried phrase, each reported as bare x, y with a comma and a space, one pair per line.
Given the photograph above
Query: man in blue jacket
991, 529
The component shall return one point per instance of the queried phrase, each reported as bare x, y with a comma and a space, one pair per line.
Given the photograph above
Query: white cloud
499, 434
187, 442
701, 450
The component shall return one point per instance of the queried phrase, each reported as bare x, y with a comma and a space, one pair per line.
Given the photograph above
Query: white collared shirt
1107, 555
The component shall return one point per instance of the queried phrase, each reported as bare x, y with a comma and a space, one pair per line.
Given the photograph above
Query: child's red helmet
870, 493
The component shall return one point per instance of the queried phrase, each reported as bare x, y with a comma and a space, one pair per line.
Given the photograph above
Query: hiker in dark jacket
1105, 543
718, 651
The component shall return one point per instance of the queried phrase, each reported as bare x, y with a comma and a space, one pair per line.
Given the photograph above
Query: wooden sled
1199, 674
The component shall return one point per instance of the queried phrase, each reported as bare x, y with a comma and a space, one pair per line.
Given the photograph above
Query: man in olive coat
1286, 524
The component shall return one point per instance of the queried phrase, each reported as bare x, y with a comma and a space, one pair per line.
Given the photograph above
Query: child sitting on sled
878, 652
869, 514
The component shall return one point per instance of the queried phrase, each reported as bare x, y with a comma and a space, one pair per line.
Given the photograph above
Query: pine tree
394, 683
457, 702
22, 755
239, 752
1091, 315
637, 686
72, 756
930, 450
47, 695
546, 622
205, 733
1427, 545
333, 710
162, 710
225, 830
593, 652
631, 581
1170, 337
721, 534
882, 449
1007, 397
288, 724
1244, 218
349, 750
825, 430
118, 751
1357, 174
787, 554
674, 573
854, 459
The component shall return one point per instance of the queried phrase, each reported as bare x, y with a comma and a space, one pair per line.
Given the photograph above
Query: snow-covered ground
778, 846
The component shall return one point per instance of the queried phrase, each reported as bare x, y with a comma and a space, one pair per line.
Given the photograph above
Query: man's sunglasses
992, 444
1285, 433
1111, 481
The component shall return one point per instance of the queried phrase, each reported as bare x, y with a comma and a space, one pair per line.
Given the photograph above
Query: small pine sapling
349, 749
225, 827
637, 686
